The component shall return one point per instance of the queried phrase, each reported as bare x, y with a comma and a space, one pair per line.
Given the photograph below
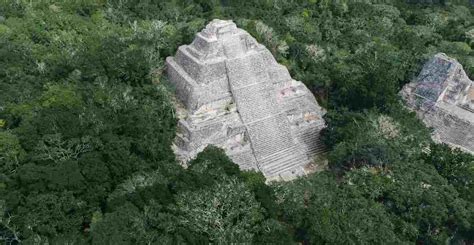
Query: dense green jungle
87, 122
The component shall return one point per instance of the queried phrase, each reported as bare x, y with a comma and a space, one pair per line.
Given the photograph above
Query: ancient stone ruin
236, 96
443, 97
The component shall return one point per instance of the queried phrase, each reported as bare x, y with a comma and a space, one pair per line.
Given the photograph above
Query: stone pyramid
237, 97
443, 97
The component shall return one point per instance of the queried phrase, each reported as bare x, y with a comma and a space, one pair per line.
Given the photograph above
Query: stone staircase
291, 158
255, 102
268, 146
312, 141
269, 129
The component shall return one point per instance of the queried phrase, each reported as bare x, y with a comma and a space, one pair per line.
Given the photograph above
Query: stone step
279, 154
284, 164
291, 174
255, 103
319, 150
281, 161
243, 71
312, 142
270, 147
315, 147
268, 141
250, 104
187, 61
292, 156
183, 82
177, 70
266, 147
270, 135
194, 52
290, 170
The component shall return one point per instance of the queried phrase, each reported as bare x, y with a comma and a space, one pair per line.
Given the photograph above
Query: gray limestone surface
236, 96
443, 97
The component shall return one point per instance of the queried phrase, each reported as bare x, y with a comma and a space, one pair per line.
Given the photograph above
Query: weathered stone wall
450, 129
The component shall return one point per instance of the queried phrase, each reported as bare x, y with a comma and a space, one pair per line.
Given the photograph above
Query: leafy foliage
208, 202
456, 166
383, 164
86, 126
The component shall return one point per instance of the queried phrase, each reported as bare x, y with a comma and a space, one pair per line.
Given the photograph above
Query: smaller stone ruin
236, 96
443, 97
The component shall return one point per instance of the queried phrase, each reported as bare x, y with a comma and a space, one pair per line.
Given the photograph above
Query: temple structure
443, 97
236, 96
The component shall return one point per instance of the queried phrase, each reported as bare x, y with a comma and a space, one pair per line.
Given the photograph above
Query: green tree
454, 165
11, 152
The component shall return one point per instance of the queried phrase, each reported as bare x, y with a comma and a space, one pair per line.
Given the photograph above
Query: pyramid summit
237, 97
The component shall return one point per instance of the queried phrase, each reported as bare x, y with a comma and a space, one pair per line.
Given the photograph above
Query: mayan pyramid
237, 97
443, 97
